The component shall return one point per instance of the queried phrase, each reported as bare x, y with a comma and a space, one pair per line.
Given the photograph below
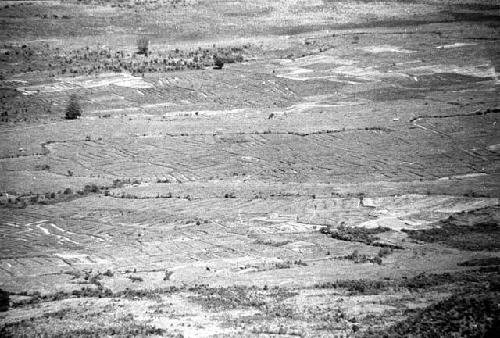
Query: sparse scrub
237, 297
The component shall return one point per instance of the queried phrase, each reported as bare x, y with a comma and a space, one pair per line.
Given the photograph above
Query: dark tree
73, 110
143, 45
218, 63
4, 300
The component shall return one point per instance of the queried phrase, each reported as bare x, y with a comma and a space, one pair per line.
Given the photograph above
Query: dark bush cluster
483, 235
4, 300
358, 234
356, 257
462, 315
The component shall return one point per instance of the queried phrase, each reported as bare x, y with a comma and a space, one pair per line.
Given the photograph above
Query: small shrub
167, 275
383, 252
42, 167
91, 188
108, 273
135, 279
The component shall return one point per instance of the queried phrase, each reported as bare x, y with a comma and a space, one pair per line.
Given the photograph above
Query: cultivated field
339, 176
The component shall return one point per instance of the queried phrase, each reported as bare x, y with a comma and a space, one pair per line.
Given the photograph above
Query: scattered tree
4, 300
143, 45
73, 110
218, 63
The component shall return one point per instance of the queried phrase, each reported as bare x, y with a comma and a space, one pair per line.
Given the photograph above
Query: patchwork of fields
339, 176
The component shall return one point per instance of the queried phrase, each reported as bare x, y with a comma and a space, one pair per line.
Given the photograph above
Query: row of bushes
50, 197
87, 61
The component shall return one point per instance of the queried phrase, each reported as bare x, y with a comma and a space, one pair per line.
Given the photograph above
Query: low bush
91, 188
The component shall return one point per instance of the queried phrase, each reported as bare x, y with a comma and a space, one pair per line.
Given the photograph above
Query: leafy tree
218, 62
73, 110
143, 45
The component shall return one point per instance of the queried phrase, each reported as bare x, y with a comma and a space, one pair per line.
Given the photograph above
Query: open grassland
339, 176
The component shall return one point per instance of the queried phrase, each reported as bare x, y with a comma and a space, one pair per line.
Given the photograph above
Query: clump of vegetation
489, 261
136, 278
143, 45
358, 286
357, 234
384, 252
73, 110
91, 188
218, 63
108, 273
229, 298
168, 274
271, 242
484, 235
217, 299
42, 167
356, 257
4, 301
462, 315
464, 280
40, 327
